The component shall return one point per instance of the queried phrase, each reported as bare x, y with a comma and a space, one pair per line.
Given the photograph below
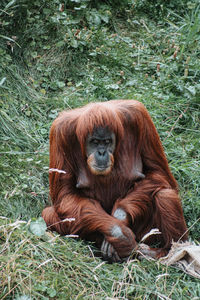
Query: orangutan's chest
107, 193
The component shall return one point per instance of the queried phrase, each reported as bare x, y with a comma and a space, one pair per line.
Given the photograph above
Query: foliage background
62, 54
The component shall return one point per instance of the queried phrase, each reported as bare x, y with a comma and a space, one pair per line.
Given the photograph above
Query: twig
179, 117
57, 170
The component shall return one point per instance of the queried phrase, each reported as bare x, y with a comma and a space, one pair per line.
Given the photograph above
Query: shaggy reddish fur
150, 202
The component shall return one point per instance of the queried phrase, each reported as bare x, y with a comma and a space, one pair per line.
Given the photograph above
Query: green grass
62, 268
131, 56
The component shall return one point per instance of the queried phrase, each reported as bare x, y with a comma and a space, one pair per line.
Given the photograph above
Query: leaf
131, 83
80, 7
51, 292
60, 84
43, 131
43, 91
192, 90
2, 81
9, 4
23, 297
60, 43
41, 287
38, 227
105, 18
9, 39
28, 113
96, 19
74, 43
112, 86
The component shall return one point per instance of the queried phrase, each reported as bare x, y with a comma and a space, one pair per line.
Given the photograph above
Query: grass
156, 62
45, 268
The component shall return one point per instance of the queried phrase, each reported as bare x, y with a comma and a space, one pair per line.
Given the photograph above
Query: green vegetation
62, 54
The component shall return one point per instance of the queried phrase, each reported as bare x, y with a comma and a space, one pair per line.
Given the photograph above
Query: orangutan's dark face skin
100, 146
